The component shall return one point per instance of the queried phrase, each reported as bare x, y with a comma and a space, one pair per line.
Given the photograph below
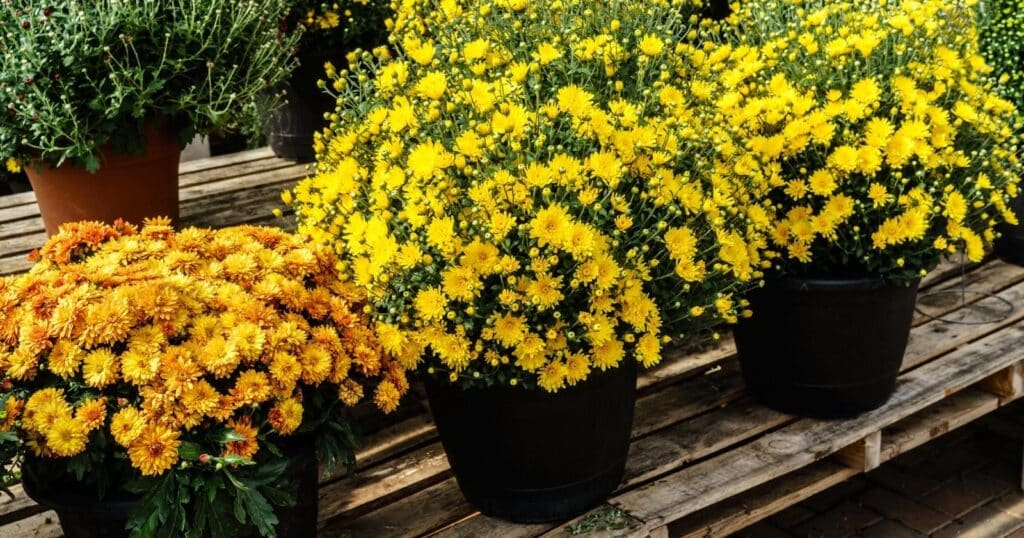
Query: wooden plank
13, 263
936, 420
1007, 383
752, 506
21, 198
377, 486
28, 234
237, 184
864, 454
947, 268
18, 212
221, 161
690, 398
395, 439
432, 509
806, 441
697, 438
20, 507
42, 525
244, 169
678, 362
935, 337
989, 278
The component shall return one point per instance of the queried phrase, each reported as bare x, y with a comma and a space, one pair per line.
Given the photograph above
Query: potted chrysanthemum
168, 384
1002, 46
874, 130
524, 192
329, 32
99, 98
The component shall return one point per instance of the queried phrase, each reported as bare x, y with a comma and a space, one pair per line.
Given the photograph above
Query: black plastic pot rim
801, 283
67, 501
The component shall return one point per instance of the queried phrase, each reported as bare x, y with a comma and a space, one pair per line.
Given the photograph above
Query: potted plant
876, 133
182, 384
12, 179
1003, 47
99, 97
526, 196
329, 31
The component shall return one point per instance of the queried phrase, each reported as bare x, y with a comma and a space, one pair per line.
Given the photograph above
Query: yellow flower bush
874, 128
525, 189
183, 351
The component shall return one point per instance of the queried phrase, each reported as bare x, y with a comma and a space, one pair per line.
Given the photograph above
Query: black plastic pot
532, 456
300, 521
825, 348
1010, 244
290, 129
82, 515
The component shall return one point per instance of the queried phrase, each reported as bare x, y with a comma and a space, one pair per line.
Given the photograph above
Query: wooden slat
222, 161
20, 507
936, 420
43, 525
754, 505
14, 200
989, 278
432, 509
220, 174
19, 212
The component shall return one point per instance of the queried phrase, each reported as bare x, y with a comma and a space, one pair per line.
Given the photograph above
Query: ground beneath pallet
964, 484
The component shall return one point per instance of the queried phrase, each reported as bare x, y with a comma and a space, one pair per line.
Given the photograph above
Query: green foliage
1002, 44
78, 74
603, 519
212, 496
338, 27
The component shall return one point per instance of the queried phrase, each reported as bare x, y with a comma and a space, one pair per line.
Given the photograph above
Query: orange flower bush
183, 351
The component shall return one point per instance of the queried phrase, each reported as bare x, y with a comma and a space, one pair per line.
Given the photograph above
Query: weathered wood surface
241, 188
705, 460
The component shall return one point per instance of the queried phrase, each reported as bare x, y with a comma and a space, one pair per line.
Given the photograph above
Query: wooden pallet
705, 459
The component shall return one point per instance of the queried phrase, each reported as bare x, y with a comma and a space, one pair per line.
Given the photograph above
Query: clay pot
131, 187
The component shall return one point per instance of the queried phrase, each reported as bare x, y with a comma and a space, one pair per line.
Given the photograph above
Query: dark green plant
1002, 44
78, 74
334, 28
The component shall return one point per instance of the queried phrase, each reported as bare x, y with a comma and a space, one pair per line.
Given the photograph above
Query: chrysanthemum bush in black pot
155, 383
329, 32
524, 191
882, 151
1002, 45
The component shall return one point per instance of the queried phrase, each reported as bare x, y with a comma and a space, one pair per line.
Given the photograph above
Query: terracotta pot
132, 187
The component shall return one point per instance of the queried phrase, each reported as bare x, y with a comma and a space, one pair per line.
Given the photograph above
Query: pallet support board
1007, 383
863, 455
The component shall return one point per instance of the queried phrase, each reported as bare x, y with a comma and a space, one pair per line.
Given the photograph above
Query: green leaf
189, 451
259, 511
